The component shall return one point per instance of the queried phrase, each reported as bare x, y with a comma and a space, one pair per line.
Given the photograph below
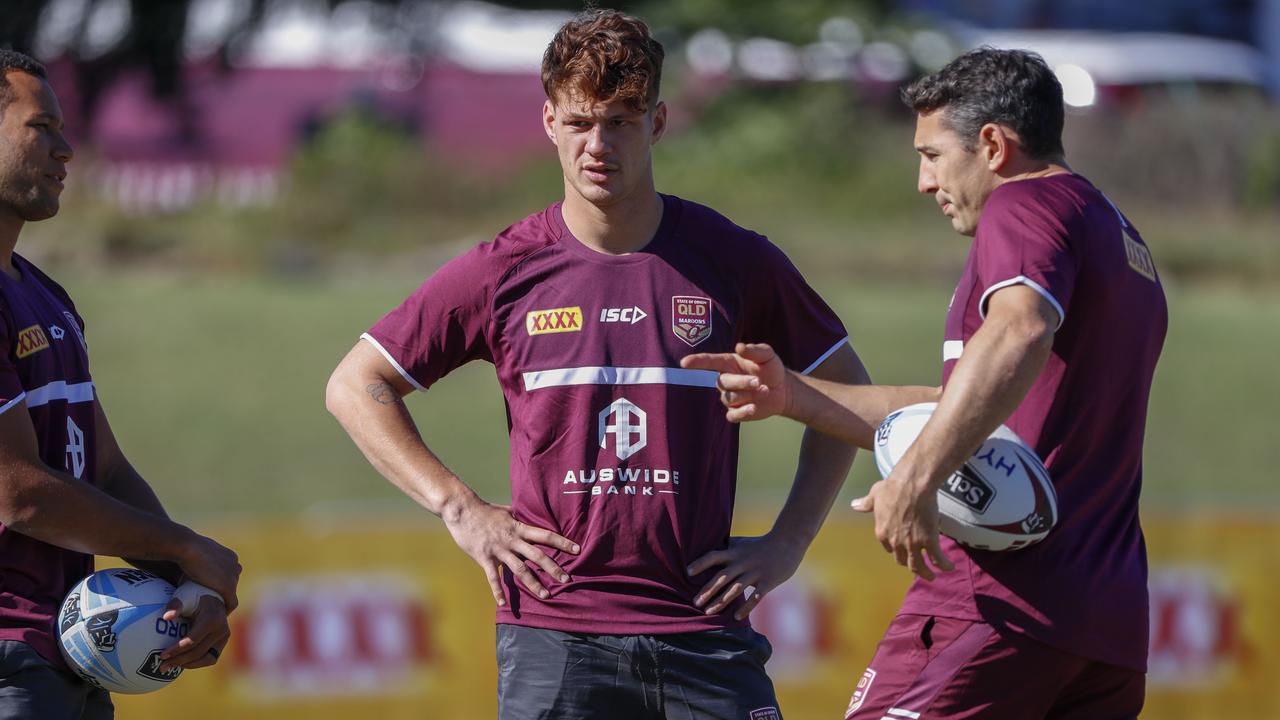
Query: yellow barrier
396, 622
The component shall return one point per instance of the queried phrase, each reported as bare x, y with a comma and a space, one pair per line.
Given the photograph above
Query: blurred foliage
363, 186
1184, 147
831, 153
797, 21
811, 165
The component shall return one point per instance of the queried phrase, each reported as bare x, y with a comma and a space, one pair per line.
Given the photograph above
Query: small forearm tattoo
383, 393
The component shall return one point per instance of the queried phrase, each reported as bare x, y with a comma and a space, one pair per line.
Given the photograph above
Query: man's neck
616, 229
10, 228
1029, 169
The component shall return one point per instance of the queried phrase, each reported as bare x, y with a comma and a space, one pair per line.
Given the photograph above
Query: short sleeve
444, 323
11, 390
783, 311
1022, 240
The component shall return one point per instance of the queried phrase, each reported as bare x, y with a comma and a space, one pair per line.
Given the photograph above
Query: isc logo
631, 315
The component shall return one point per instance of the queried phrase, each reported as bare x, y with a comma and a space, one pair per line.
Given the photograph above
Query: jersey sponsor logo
75, 449
861, 691
627, 424
765, 713
691, 318
621, 481
1139, 257
555, 320
631, 315
75, 327
969, 488
31, 340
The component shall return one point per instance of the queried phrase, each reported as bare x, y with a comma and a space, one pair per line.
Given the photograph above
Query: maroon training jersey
1084, 587
613, 444
46, 365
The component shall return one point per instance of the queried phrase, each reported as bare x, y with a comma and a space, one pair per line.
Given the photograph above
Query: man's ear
549, 120
659, 122
997, 144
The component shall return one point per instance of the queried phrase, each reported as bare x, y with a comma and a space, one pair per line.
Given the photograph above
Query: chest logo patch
555, 320
1139, 257
691, 318
31, 340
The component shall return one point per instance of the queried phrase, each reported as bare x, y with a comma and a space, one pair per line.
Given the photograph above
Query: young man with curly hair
620, 592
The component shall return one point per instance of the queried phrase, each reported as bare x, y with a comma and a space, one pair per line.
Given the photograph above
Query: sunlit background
257, 181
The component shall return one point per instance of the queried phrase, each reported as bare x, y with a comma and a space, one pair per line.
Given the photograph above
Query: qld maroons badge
691, 318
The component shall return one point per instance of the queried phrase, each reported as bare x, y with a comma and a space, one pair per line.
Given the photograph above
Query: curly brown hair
604, 55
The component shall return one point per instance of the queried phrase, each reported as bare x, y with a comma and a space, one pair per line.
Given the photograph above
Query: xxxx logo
556, 320
31, 340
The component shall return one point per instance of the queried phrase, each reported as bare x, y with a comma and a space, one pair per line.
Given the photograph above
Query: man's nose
62, 150
925, 182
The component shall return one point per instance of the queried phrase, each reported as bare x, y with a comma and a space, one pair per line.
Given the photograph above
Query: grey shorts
710, 675
32, 687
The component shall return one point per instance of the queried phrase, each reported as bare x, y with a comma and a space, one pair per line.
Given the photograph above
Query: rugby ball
112, 632
1001, 499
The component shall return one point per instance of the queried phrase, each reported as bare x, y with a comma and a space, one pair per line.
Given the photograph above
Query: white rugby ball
1001, 499
112, 632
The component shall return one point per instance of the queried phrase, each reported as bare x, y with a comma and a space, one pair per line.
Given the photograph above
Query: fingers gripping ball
1001, 499
112, 630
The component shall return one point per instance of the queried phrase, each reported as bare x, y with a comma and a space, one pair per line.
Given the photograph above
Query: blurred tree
796, 21
155, 38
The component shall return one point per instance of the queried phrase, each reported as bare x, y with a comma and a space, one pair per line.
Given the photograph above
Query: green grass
215, 388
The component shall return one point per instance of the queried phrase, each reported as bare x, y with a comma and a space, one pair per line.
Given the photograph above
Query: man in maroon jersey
1054, 329
67, 492
620, 593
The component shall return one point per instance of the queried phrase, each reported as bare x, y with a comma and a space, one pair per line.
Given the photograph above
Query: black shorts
714, 674
32, 687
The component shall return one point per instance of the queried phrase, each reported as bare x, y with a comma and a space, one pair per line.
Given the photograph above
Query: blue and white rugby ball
1001, 499
112, 632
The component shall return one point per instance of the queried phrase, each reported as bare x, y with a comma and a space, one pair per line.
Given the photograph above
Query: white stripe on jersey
59, 390
823, 358
952, 349
1022, 280
900, 712
597, 375
394, 364
12, 402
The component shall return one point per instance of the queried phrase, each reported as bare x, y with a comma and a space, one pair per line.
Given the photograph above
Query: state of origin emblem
691, 318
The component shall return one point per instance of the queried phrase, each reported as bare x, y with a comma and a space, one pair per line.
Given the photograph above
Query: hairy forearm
824, 459
60, 510
374, 415
999, 365
823, 466
850, 412
125, 484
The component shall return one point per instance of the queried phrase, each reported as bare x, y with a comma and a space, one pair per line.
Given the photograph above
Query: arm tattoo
383, 393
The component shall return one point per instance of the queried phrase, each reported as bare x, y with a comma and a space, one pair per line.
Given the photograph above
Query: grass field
215, 387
